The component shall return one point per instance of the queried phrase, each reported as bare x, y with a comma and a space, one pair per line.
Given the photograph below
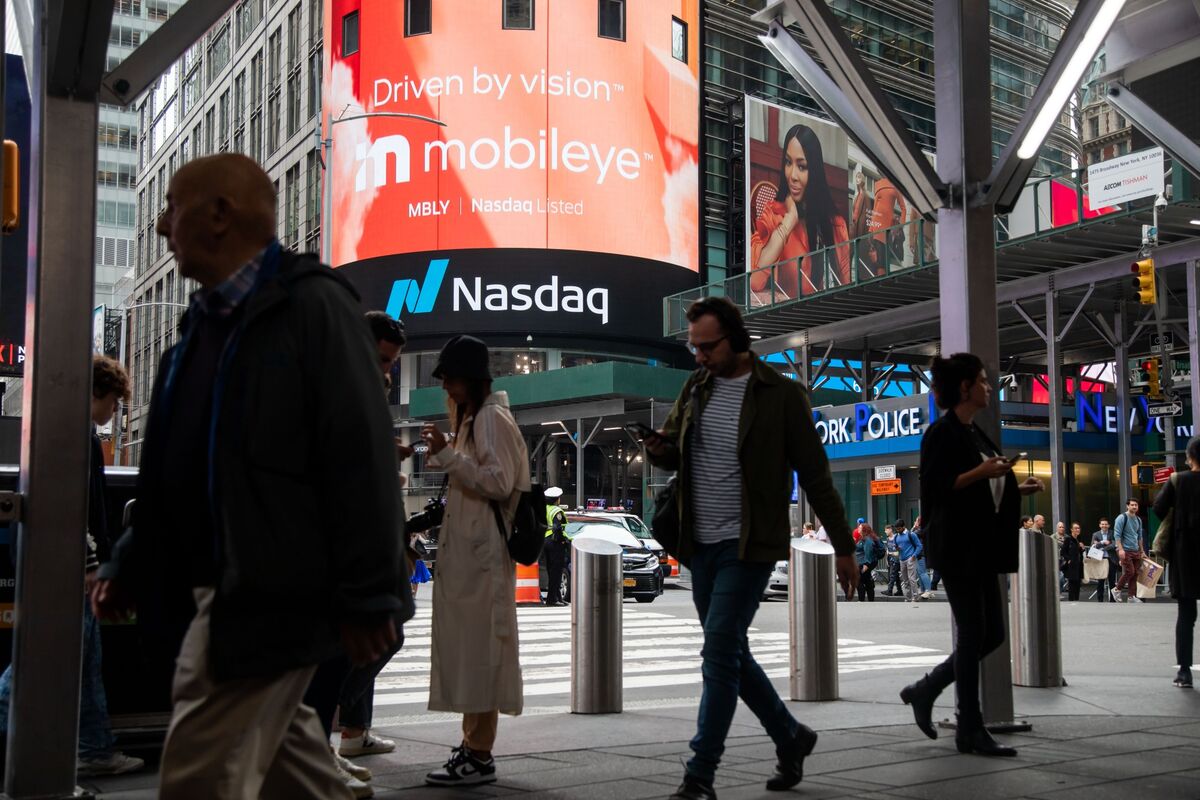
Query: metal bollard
812, 621
1034, 625
596, 595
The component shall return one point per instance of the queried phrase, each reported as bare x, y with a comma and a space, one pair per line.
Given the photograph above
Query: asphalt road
881, 647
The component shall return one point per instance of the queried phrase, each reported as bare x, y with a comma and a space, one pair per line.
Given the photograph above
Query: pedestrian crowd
269, 557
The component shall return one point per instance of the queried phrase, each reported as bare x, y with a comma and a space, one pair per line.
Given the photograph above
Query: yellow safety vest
551, 513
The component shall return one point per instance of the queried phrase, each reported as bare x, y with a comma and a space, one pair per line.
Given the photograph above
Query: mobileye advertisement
559, 196
808, 187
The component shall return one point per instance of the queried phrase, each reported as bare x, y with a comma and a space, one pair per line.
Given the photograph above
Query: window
223, 119
274, 60
157, 10
131, 7
124, 37
293, 39
210, 131
418, 17
312, 193
218, 52
272, 125
185, 151
518, 15
239, 100
291, 207
679, 42
314, 83
612, 19
293, 103
1094, 127
316, 14
350, 34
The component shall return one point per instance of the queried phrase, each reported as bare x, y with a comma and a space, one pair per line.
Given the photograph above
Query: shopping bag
1096, 553
1149, 573
1095, 570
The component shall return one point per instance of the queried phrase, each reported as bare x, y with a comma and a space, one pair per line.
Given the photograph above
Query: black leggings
976, 603
1185, 625
866, 583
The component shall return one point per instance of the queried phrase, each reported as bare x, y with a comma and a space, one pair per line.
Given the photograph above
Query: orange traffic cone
527, 592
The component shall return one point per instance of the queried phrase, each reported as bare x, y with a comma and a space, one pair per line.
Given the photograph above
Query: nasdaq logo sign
417, 298
553, 297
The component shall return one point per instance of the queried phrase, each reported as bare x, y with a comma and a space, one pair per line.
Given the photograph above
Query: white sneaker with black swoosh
463, 769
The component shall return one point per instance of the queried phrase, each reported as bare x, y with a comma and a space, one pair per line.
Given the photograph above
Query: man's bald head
220, 213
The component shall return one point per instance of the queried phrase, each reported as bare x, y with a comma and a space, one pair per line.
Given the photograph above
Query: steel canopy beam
1156, 127
163, 48
860, 106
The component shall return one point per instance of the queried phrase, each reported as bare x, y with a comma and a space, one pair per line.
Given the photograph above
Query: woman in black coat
964, 477
1070, 561
1182, 495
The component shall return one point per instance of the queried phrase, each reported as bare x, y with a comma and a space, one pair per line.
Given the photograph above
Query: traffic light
1144, 281
1153, 387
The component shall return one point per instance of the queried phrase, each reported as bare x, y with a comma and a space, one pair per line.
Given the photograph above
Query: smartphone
640, 430
1016, 458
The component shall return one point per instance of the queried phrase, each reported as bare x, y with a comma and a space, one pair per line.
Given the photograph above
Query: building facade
1104, 132
252, 85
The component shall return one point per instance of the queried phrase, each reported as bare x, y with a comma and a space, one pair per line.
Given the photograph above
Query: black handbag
528, 534
666, 522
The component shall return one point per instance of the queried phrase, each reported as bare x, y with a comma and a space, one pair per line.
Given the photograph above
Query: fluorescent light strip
1070, 78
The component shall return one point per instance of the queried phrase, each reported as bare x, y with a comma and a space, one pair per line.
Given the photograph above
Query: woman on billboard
800, 221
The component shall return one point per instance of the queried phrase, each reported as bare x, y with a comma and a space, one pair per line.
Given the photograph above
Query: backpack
528, 533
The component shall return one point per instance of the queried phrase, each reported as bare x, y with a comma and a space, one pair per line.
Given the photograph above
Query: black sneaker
463, 769
1184, 678
693, 788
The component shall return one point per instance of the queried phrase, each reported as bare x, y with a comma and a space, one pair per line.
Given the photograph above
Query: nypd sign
883, 419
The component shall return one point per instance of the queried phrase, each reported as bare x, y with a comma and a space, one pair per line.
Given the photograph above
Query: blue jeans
923, 574
727, 591
95, 729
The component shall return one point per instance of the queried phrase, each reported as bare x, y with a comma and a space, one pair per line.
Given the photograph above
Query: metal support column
967, 255
1125, 406
43, 721
579, 471
1058, 480
1193, 337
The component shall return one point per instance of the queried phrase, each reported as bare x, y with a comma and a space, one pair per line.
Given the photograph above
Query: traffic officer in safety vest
557, 548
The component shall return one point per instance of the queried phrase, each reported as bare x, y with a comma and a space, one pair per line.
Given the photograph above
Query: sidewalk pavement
1098, 738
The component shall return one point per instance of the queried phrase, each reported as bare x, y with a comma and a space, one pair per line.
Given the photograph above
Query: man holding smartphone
737, 431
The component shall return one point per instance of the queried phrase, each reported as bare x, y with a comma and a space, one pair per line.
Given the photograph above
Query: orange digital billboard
554, 137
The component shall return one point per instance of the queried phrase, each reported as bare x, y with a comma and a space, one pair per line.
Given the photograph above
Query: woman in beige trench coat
475, 669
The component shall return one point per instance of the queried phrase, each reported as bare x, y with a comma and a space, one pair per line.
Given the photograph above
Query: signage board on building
885, 473
561, 196
880, 419
885, 487
1163, 474
832, 175
1162, 343
1128, 177
1171, 408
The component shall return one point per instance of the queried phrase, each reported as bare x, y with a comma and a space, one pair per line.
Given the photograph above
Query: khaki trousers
479, 731
242, 739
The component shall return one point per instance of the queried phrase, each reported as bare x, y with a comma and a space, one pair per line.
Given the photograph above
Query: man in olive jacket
736, 434
267, 516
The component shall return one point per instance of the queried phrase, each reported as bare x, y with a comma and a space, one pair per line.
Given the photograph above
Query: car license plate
631, 581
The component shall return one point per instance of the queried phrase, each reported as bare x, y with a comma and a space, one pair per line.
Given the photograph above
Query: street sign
1162, 343
1163, 474
885, 487
885, 473
1172, 408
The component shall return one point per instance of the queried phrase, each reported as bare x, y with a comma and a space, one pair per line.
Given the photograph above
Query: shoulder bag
528, 533
1162, 538
666, 522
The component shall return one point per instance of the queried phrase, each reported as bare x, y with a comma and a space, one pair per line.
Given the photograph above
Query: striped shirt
716, 472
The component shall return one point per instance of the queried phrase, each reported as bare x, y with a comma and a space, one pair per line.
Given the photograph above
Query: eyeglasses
705, 347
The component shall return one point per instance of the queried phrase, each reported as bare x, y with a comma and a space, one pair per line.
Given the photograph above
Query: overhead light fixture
1195, 221
1069, 78
755, 336
613, 428
551, 424
560, 433
1076, 49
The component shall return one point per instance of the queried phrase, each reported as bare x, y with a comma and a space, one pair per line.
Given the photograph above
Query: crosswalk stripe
658, 650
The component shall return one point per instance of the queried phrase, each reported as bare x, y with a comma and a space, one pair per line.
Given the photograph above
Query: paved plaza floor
1119, 729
